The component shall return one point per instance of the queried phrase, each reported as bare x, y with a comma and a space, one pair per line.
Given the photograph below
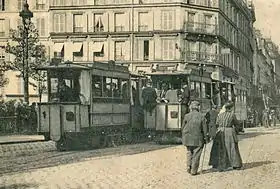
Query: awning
58, 47
76, 47
97, 46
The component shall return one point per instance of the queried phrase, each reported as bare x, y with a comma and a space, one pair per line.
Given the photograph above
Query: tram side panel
61, 120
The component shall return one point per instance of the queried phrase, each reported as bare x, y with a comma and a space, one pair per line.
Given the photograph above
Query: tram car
166, 119
89, 104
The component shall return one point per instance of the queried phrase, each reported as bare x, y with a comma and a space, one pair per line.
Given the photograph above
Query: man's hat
194, 105
229, 105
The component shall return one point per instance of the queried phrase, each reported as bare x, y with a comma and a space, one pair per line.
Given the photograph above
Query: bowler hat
194, 105
229, 105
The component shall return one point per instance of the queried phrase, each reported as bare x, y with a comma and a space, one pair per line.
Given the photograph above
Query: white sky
268, 18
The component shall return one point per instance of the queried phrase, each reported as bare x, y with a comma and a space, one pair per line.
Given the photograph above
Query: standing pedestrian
194, 136
149, 96
225, 151
211, 117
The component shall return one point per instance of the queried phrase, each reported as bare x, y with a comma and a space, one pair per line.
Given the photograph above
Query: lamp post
26, 16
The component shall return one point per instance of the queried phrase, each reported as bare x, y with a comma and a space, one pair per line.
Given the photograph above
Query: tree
26, 62
3, 79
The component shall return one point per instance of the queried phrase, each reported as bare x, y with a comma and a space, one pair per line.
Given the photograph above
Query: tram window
192, 85
125, 90
97, 86
107, 89
208, 90
203, 90
116, 87
198, 90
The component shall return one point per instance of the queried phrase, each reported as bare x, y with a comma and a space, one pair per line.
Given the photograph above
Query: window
59, 22
167, 20
58, 50
2, 5
190, 20
2, 27
168, 46
41, 26
98, 22
146, 50
143, 19
59, 2
110, 88
40, 4
207, 21
119, 22
20, 4
79, 2
78, 23
98, 49
119, 50
77, 51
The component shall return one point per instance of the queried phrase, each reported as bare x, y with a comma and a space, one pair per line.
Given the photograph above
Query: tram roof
85, 66
185, 72
64, 66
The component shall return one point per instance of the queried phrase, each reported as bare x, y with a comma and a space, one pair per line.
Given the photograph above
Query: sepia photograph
139, 94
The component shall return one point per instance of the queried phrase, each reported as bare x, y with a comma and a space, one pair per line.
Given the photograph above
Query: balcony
201, 28
204, 57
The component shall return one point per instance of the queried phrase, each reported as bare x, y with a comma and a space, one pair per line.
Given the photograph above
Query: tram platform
13, 139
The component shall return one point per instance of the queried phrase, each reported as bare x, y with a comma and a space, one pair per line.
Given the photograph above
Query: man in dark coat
149, 96
194, 136
211, 118
225, 151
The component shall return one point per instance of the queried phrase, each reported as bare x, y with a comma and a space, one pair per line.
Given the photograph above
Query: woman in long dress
225, 151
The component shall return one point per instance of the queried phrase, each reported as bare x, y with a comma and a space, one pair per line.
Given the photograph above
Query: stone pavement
158, 168
20, 138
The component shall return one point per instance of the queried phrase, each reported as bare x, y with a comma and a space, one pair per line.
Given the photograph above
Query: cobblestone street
138, 166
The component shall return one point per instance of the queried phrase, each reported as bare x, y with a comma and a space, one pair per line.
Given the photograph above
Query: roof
64, 66
185, 72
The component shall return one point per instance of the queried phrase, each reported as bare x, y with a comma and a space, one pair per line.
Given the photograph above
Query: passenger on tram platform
67, 94
149, 96
162, 93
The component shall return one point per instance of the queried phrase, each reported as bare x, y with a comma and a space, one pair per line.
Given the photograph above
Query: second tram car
166, 119
88, 104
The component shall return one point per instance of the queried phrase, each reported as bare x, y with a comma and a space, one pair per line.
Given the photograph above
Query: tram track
28, 161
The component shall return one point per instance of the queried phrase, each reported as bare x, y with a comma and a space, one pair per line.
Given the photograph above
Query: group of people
198, 130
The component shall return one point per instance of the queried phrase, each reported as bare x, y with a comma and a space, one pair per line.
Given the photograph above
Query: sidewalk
11, 139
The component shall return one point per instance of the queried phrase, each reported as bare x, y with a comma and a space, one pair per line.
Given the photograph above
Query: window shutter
7, 27
171, 47
136, 49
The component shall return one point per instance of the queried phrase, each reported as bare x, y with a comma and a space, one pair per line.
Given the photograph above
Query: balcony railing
202, 57
203, 28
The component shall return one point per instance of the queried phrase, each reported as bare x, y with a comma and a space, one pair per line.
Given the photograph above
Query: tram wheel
103, 141
61, 145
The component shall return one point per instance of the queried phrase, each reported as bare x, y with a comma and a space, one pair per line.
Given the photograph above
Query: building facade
265, 77
10, 19
215, 34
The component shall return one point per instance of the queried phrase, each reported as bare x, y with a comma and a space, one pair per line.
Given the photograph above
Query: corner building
143, 33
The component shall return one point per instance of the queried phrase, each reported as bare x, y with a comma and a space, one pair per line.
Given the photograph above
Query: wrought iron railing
199, 27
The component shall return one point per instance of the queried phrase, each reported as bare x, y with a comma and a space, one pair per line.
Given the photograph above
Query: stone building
141, 33
10, 19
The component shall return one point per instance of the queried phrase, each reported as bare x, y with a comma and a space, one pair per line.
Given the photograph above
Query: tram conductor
194, 136
149, 96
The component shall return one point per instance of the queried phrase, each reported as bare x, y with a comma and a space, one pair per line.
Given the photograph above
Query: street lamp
26, 16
